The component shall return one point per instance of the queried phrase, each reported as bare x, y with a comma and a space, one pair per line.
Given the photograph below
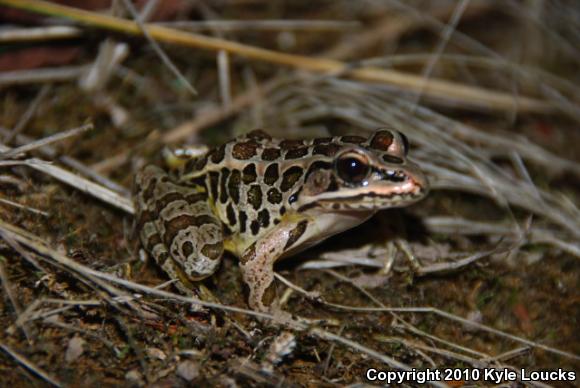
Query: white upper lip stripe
405, 188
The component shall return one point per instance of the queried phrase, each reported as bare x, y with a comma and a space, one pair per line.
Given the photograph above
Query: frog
264, 199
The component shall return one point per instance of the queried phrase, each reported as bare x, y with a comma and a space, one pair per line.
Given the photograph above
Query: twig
446, 35
51, 153
45, 141
472, 45
57, 74
413, 329
363, 349
264, 25
39, 246
158, 50
8, 290
29, 365
223, 61
89, 333
455, 265
30, 112
79, 183
463, 321
27, 208
39, 34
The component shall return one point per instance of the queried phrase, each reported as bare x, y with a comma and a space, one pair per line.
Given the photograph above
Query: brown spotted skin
177, 226
263, 199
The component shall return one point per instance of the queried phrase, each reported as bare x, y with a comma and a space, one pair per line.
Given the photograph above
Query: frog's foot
176, 226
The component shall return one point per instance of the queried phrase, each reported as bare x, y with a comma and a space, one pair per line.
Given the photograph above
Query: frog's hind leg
176, 226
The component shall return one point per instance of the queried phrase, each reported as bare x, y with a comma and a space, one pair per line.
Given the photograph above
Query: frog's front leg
176, 226
257, 262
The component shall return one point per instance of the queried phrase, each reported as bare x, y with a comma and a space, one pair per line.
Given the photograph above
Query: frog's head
365, 176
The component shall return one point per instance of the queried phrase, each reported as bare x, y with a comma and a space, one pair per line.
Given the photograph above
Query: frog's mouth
367, 200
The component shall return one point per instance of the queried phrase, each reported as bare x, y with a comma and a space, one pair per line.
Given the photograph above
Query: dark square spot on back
245, 150
274, 196
296, 153
234, 186
290, 144
270, 154
249, 173
271, 174
218, 154
290, 177
255, 196
326, 149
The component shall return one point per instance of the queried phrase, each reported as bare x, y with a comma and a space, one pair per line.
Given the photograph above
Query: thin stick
39, 34
158, 50
44, 141
55, 74
51, 153
29, 114
447, 32
78, 182
8, 290
464, 321
374, 354
29, 365
470, 97
264, 25
27, 208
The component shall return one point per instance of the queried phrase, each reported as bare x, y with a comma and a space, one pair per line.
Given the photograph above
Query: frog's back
253, 180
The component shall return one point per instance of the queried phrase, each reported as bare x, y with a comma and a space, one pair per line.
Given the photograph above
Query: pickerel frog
264, 199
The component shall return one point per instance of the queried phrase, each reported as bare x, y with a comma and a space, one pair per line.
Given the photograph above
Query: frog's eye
405, 143
352, 167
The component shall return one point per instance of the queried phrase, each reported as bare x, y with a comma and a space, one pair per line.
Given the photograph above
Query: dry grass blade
29, 114
8, 290
535, 235
461, 95
67, 177
158, 50
446, 35
370, 352
463, 321
57, 74
45, 141
264, 25
14, 35
51, 153
19, 206
30, 366
93, 189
